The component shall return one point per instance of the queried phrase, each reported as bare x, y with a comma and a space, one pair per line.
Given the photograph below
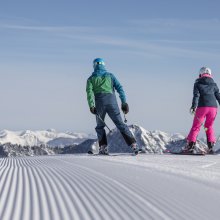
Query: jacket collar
205, 75
99, 70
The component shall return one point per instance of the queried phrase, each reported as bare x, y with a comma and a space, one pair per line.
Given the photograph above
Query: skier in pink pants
204, 106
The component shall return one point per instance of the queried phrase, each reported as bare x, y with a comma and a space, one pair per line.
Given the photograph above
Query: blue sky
155, 49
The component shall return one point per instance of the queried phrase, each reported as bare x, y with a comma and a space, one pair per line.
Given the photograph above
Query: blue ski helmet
98, 61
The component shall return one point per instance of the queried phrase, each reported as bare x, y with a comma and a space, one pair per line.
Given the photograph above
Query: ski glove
125, 108
192, 110
93, 110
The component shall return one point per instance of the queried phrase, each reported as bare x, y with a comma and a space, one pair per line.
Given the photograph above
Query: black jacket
205, 93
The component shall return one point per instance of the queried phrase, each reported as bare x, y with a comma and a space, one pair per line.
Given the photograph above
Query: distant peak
51, 130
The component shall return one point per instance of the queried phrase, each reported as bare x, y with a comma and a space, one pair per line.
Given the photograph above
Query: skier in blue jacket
100, 88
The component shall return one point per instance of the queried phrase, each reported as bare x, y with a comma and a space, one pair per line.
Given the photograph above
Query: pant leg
197, 122
114, 113
210, 118
101, 134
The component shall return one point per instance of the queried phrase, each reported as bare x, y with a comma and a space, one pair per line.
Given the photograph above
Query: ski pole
103, 122
125, 119
206, 129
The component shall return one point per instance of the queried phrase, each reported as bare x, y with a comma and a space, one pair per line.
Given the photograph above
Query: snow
49, 142
82, 187
45, 137
151, 141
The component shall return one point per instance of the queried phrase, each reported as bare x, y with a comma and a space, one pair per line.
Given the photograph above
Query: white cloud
162, 43
168, 24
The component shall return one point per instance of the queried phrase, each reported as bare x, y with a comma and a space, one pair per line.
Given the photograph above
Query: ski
112, 154
186, 153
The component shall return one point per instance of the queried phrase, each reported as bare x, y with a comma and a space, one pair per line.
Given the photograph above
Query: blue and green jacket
102, 84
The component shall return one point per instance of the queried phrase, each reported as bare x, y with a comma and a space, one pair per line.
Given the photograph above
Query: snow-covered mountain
13, 150
45, 137
51, 142
152, 142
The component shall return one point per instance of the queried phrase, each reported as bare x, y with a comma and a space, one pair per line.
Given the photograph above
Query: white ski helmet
205, 70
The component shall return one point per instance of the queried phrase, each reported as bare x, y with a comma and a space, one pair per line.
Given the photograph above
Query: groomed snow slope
123, 187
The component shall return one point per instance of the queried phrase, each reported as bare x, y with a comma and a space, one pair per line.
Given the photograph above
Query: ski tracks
88, 188
170, 195
52, 188
129, 204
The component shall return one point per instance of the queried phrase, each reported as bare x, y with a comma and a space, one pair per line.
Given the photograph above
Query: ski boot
135, 148
142, 150
210, 147
103, 150
188, 149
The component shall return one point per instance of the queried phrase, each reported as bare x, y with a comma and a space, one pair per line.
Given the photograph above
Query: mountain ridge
49, 142
48, 137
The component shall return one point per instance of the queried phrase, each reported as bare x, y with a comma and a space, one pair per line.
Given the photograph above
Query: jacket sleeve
90, 93
217, 94
196, 95
118, 87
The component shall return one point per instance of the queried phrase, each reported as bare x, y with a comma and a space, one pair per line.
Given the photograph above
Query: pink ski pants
203, 113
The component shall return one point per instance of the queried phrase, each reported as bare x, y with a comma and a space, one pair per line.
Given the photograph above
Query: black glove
93, 110
125, 108
192, 110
